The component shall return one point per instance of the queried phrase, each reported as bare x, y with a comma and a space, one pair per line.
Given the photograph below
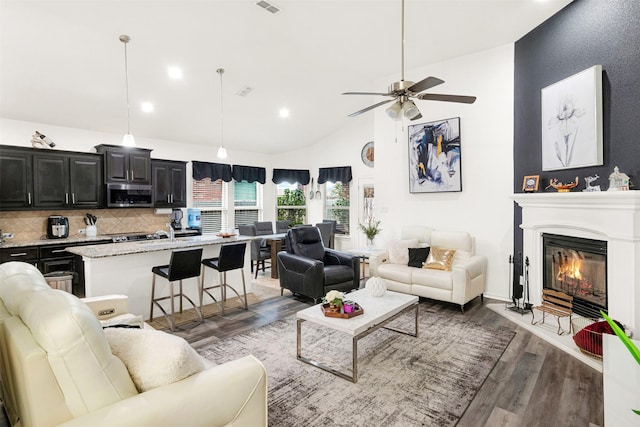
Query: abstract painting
572, 121
434, 157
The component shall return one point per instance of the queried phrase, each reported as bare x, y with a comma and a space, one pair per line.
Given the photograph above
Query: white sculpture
589, 180
618, 181
376, 287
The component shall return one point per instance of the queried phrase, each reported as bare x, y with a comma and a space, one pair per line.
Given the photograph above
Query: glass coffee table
378, 311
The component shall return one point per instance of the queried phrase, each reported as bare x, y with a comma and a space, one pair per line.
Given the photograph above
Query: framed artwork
434, 157
572, 121
530, 183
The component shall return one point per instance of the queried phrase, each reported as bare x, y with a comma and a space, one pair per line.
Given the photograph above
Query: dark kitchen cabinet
67, 181
169, 180
126, 165
45, 179
85, 179
16, 178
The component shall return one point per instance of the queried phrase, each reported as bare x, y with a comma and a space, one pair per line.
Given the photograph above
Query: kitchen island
125, 268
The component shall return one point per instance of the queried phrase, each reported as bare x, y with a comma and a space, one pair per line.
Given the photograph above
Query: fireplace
578, 267
607, 216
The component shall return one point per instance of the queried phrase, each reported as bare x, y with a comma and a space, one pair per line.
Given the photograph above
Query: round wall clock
367, 154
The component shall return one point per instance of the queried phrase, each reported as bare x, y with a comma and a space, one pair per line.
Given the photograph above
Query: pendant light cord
125, 39
221, 72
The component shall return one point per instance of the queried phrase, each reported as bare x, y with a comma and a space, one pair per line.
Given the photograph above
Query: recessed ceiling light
284, 113
175, 73
147, 107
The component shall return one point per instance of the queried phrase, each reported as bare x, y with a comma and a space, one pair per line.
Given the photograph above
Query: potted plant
370, 229
334, 299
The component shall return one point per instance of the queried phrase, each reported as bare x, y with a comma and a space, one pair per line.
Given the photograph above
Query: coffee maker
176, 219
57, 227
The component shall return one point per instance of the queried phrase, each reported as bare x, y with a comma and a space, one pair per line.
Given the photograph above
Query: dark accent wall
583, 34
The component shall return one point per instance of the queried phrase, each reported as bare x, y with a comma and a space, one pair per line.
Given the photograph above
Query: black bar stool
231, 258
183, 265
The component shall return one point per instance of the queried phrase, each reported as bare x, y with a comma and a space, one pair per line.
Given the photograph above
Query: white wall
484, 207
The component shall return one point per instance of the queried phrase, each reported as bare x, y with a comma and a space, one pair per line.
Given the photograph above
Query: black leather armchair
308, 268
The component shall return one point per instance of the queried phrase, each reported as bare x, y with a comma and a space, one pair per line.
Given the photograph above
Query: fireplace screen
577, 267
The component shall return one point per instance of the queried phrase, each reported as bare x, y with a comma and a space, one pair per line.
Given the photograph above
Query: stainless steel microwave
129, 196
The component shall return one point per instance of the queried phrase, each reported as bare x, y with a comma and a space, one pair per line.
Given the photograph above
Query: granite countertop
80, 238
145, 246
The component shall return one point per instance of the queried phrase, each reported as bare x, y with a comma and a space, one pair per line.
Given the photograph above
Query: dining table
275, 242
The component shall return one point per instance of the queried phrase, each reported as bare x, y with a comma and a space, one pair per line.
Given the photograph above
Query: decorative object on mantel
39, 140
376, 286
371, 229
588, 180
618, 181
530, 183
562, 188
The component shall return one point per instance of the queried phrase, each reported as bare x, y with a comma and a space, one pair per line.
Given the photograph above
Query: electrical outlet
82, 231
7, 235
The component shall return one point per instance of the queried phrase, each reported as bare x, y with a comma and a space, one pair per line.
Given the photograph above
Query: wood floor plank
531, 380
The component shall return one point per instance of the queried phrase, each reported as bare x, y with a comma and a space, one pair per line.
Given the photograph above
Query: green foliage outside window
293, 215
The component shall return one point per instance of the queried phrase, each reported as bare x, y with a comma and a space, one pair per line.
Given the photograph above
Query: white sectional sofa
465, 281
57, 367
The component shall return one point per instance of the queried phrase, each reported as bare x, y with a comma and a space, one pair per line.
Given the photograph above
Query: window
211, 198
291, 203
337, 205
246, 202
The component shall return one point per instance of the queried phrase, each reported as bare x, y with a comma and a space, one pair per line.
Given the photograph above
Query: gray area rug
402, 381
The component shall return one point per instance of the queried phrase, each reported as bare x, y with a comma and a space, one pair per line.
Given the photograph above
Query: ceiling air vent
268, 6
244, 91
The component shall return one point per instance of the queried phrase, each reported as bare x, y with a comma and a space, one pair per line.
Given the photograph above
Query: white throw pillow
399, 250
154, 358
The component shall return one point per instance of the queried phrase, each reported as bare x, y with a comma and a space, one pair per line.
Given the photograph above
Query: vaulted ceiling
61, 62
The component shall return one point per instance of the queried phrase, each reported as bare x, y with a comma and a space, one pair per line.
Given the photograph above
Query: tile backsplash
28, 225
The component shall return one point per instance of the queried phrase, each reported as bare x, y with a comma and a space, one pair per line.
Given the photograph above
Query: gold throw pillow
440, 259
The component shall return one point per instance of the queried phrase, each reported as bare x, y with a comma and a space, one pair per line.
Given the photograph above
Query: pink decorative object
348, 308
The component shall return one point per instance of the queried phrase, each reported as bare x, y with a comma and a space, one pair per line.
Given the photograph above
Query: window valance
300, 176
215, 171
337, 174
249, 174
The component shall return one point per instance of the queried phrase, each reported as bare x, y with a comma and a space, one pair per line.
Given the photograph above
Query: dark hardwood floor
533, 384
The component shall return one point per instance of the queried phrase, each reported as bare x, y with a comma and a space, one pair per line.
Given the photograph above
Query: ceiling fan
403, 91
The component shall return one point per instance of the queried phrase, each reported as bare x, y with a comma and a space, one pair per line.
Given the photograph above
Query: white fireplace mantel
610, 216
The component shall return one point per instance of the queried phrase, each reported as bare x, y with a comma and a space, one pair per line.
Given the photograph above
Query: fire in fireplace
577, 267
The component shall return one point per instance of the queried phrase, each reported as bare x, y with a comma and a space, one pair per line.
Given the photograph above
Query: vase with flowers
371, 229
335, 300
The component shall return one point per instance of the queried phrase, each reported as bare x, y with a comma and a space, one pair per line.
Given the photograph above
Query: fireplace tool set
519, 294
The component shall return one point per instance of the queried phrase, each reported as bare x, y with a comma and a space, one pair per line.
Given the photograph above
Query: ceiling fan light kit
402, 91
127, 140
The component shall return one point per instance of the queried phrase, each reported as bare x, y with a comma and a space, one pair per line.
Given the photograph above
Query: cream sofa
464, 282
57, 368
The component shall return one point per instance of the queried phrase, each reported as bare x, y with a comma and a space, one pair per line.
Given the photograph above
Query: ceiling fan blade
425, 84
366, 93
370, 107
446, 98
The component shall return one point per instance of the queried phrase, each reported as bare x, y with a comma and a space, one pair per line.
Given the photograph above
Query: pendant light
128, 140
222, 152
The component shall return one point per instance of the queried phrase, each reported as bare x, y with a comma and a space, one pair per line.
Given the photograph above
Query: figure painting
572, 121
434, 157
